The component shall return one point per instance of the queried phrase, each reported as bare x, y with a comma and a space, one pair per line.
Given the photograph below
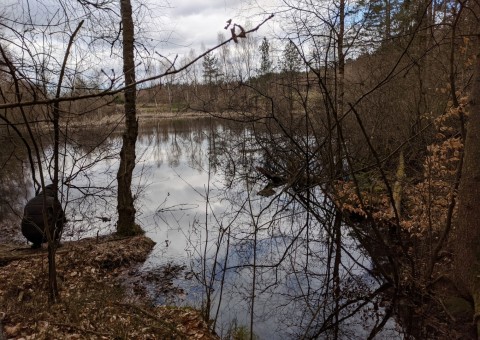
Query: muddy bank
94, 303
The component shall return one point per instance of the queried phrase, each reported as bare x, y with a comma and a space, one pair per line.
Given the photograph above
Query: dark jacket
33, 226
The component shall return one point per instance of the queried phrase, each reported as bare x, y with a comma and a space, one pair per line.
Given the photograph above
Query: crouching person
33, 222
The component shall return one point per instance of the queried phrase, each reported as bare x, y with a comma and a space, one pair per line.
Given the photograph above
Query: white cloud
169, 29
195, 23
185, 8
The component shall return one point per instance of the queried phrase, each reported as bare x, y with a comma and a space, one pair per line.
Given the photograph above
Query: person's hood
49, 190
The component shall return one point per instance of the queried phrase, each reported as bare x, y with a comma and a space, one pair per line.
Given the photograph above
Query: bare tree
37, 94
126, 209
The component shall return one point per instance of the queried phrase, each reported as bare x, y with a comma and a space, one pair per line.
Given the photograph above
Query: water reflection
258, 262
14, 188
251, 255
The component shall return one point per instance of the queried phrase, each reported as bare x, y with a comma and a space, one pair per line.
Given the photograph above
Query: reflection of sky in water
177, 169
172, 170
172, 203
178, 188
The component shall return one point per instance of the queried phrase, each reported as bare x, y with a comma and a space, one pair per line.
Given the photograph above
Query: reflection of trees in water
276, 256
89, 162
13, 192
87, 159
197, 140
285, 262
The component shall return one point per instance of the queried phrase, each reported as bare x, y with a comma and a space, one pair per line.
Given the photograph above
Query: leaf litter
94, 302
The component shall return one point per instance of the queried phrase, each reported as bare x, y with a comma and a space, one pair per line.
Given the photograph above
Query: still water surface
261, 260
201, 207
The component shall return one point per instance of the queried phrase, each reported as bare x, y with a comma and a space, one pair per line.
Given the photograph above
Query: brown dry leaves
347, 199
93, 303
425, 204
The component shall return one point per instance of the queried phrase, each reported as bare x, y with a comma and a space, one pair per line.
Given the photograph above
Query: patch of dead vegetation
93, 303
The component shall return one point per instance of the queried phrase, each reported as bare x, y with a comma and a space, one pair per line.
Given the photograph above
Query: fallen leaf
12, 330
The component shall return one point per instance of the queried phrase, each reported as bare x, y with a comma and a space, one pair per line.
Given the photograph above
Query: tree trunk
125, 202
388, 20
467, 233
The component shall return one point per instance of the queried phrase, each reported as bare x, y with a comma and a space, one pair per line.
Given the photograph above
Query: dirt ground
94, 302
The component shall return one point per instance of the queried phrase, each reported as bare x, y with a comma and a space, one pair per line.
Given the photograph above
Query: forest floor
96, 299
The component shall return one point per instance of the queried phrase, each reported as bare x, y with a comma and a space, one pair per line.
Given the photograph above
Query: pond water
250, 261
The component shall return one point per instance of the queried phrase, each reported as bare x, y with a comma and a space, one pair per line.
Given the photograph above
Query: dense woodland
365, 114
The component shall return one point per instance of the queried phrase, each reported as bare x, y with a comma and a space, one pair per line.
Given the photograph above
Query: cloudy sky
169, 27
175, 25
190, 23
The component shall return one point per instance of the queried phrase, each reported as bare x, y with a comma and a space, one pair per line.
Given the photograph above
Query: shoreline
95, 302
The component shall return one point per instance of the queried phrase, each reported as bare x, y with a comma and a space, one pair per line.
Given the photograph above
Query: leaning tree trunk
125, 204
467, 232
